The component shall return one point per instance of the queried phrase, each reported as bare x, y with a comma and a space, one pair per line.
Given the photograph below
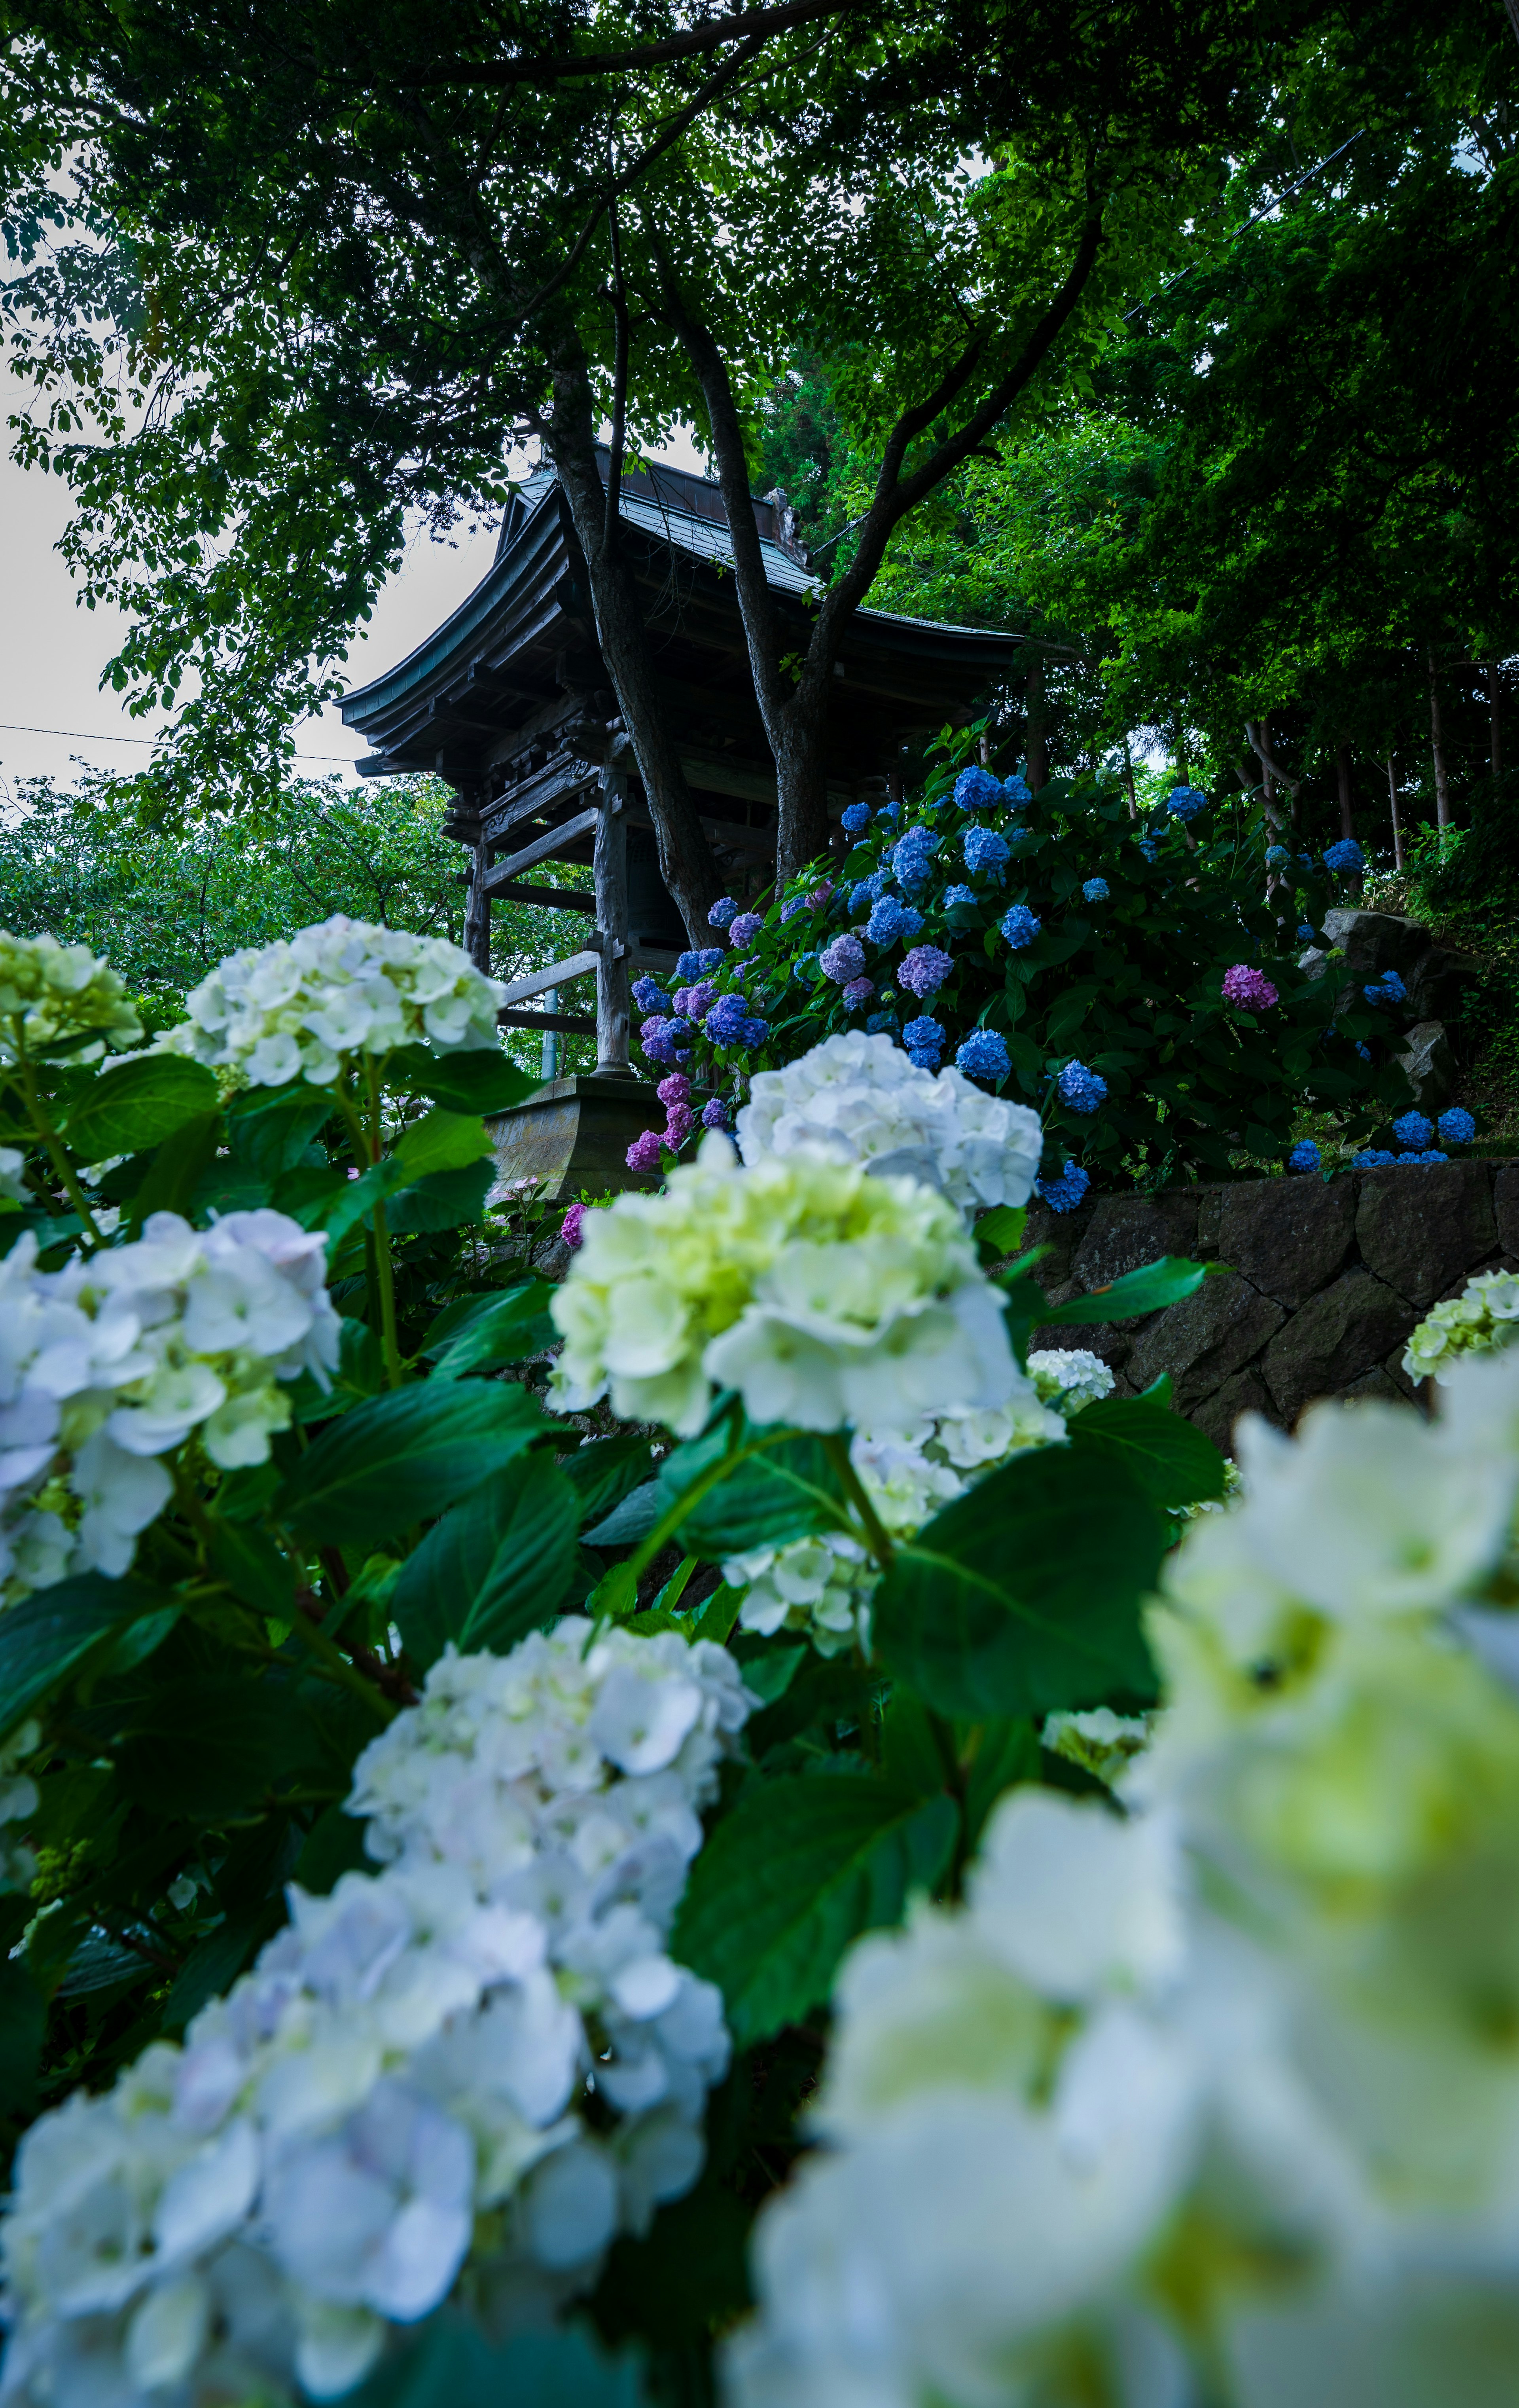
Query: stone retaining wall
1327, 1279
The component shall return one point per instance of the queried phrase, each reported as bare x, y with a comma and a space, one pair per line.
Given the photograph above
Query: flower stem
836, 1447
51, 1139
385, 1262
338, 1668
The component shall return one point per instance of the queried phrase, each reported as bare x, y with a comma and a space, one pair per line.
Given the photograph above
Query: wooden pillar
614, 1003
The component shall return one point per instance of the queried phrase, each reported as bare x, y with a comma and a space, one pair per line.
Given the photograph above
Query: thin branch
614, 465
755, 24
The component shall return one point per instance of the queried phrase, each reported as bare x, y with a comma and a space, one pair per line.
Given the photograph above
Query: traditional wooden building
510, 703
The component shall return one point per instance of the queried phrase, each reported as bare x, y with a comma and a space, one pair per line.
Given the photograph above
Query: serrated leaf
999, 1231
407, 1457
1024, 1595
44, 1636
1174, 1463
799, 1869
444, 1140
480, 1081
253, 1567
138, 1104
207, 1748
506, 1329
177, 1168
444, 1199
772, 1495
1147, 1290
269, 1129
496, 1566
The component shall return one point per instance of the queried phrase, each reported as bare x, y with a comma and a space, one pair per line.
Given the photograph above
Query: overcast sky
53, 653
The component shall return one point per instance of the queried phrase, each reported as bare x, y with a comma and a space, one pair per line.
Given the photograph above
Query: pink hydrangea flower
925, 970
645, 1152
1248, 988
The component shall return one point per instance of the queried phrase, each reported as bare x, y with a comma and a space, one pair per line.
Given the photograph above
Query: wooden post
1437, 745
478, 909
550, 1039
1397, 825
614, 1005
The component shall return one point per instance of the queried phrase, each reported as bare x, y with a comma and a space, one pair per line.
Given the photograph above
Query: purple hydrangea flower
722, 913
648, 995
925, 970
986, 852
983, 1055
714, 1114
646, 1152
725, 1021
843, 961
658, 1036
569, 1228
674, 1090
1019, 926
1064, 1194
858, 993
856, 818
1095, 891
678, 1123
977, 790
1457, 1125
788, 909
1304, 1156
1345, 857
1248, 988
958, 894
755, 1031
1082, 1089
1412, 1129
925, 1033
744, 930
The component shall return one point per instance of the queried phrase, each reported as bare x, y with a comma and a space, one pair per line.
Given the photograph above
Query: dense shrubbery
1125, 978
460, 1848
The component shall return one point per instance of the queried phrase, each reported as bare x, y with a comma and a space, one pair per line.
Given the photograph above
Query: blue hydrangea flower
1185, 802
1364, 1053
1306, 933
977, 790
958, 894
692, 967
725, 1024
856, 818
869, 890
1150, 849
1457, 1125
924, 1032
1276, 856
1389, 988
1095, 891
912, 857
1064, 1194
1082, 1089
755, 1031
1412, 1129
1372, 1157
1432, 1153
722, 913
889, 920
985, 852
890, 812
1304, 1156
1015, 791
923, 1057
881, 1023
649, 996
983, 1055
1019, 926
1345, 857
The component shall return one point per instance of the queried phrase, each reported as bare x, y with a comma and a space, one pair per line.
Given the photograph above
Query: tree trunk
685, 858
1494, 721
1037, 764
1398, 824
1437, 745
1128, 781
1347, 807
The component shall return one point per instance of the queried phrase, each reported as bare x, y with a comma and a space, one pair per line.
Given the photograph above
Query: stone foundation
1325, 1280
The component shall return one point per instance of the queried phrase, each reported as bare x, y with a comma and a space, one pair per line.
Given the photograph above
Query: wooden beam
548, 898
573, 1024
543, 848
553, 783
721, 832
574, 966
652, 957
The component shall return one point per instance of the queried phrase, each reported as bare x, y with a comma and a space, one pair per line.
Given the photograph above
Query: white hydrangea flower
12, 1166
1483, 1318
406, 2065
299, 1008
858, 1098
1070, 1378
59, 991
112, 1362
828, 1297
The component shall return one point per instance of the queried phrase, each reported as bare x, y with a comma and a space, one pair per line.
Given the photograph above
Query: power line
1276, 204
19, 727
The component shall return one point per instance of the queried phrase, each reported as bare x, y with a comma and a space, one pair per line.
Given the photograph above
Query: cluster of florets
985, 853
1067, 1190
924, 1039
826, 1297
343, 989
400, 2081
1070, 1378
1020, 927
843, 961
1344, 857
1184, 802
891, 923
113, 1362
1387, 989
1482, 1319
1094, 890
1249, 989
857, 1098
1079, 1089
856, 818
977, 790
983, 1055
744, 930
1276, 856
1455, 1126
51, 993
925, 969
689, 966
913, 857
1305, 1155
722, 913
1193, 2101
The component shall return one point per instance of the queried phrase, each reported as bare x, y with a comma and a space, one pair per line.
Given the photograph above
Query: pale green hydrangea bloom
1483, 1317
56, 992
